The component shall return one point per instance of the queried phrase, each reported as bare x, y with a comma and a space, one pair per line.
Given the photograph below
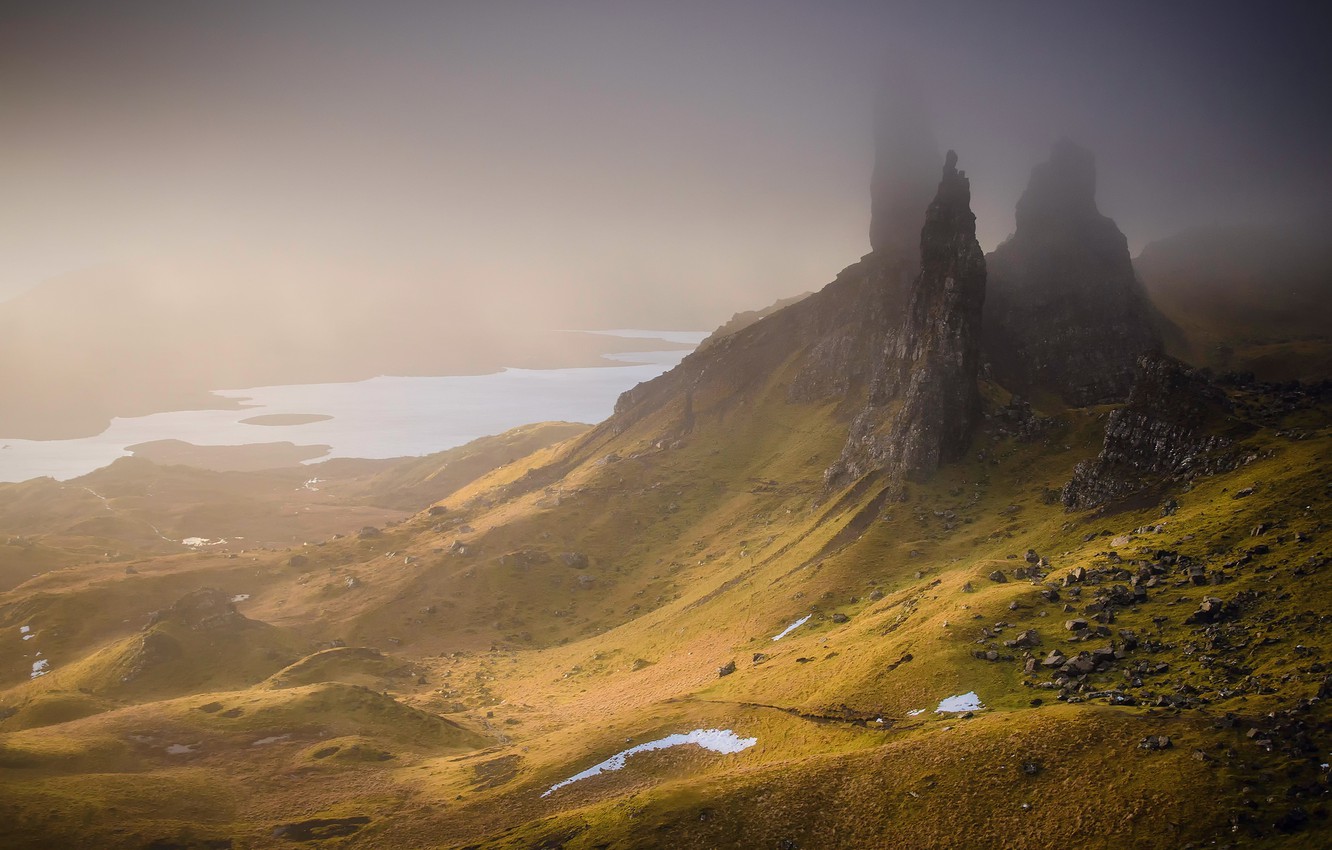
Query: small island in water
245, 458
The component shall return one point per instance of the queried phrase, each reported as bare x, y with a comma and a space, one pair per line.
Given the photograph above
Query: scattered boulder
1210, 611
1055, 659
1025, 640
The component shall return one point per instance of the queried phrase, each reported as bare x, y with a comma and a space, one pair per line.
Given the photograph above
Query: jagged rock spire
1066, 314
924, 402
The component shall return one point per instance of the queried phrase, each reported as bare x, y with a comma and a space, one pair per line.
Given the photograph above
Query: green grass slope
554, 621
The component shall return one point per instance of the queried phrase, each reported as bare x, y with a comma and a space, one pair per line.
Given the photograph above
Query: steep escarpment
1065, 313
1175, 425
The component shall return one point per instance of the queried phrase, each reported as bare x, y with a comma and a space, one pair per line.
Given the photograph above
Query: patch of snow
310, 485
180, 749
29, 637
240, 597
272, 739
200, 542
962, 702
23, 630
40, 667
717, 740
913, 712
797, 624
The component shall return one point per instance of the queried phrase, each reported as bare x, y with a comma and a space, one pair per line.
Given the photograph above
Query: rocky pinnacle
1066, 314
924, 402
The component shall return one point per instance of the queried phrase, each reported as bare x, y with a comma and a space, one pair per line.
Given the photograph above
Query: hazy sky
722, 149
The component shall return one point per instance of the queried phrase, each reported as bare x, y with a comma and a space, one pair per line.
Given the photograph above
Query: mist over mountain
1025, 549
1255, 299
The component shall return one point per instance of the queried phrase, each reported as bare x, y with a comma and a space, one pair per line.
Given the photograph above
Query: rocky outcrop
923, 402
1175, 426
206, 608
1065, 313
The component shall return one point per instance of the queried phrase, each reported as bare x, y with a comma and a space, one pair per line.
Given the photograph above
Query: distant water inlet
716, 740
378, 418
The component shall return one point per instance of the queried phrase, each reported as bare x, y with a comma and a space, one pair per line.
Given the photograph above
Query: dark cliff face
1174, 426
923, 401
1065, 313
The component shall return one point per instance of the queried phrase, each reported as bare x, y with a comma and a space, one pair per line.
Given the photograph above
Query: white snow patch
200, 542
23, 630
180, 749
240, 597
913, 712
40, 667
272, 739
29, 637
962, 702
310, 485
797, 624
716, 740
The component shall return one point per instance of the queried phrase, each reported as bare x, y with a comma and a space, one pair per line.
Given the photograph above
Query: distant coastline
375, 418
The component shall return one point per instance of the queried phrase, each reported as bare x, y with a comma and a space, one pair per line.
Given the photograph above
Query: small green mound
352, 665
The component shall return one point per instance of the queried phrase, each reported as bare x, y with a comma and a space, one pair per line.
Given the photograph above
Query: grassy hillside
134, 507
550, 626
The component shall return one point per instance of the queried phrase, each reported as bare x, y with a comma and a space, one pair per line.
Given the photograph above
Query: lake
377, 418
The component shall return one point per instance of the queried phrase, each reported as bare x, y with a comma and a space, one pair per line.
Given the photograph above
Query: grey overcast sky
592, 147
